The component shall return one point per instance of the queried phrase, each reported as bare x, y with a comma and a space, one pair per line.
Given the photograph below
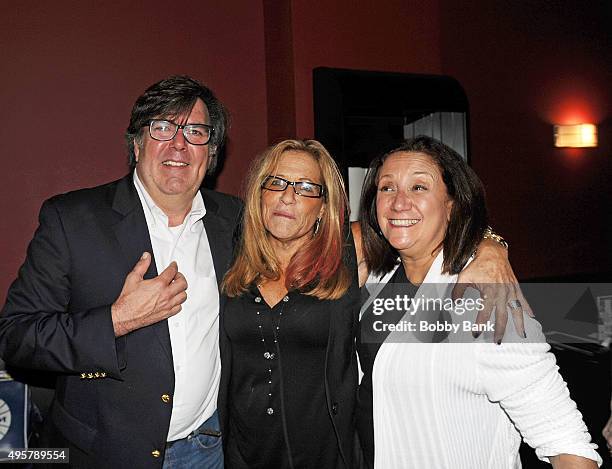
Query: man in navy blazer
118, 295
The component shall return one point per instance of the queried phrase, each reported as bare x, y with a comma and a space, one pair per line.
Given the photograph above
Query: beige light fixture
576, 136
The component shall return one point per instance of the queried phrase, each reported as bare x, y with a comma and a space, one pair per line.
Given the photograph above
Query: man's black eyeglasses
196, 134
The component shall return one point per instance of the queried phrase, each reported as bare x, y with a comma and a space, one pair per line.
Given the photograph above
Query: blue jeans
196, 451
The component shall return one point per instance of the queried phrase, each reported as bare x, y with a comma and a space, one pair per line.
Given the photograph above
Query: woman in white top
453, 405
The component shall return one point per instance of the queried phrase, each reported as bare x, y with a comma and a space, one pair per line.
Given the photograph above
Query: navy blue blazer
108, 406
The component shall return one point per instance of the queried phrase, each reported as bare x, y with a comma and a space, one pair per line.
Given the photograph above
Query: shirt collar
197, 212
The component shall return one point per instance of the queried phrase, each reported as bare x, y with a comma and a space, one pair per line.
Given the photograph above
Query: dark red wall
72, 70
390, 35
526, 66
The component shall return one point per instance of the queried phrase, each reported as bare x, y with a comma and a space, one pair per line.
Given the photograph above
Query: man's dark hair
170, 98
468, 218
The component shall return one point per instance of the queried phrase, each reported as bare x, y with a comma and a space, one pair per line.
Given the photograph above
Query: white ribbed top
462, 405
453, 406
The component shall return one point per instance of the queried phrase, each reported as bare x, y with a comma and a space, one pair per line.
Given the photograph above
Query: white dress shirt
194, 331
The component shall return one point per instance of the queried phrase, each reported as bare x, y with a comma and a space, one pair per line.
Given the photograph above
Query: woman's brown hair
467, 221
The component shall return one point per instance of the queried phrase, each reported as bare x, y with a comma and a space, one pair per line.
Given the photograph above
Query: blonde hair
316, 269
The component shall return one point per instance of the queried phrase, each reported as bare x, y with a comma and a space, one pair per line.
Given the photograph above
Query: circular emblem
5, 418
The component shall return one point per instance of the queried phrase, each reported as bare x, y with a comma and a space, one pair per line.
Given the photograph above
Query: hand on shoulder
361, 263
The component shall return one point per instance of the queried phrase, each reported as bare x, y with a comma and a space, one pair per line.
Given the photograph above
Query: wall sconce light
576, 136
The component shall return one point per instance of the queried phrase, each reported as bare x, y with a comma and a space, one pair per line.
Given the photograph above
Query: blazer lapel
133, 236
131, 229
219, 232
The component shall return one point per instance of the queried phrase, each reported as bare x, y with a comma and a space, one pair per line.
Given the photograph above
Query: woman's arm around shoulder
361, 263
490, 273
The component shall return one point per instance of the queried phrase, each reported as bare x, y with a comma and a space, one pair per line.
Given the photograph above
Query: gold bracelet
490, 234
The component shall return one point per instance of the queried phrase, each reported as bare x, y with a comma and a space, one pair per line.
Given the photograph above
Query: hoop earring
316, 226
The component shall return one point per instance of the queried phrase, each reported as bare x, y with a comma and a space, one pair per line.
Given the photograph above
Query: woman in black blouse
289, 374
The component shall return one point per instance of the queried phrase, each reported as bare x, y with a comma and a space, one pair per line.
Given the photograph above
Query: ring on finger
514, 304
